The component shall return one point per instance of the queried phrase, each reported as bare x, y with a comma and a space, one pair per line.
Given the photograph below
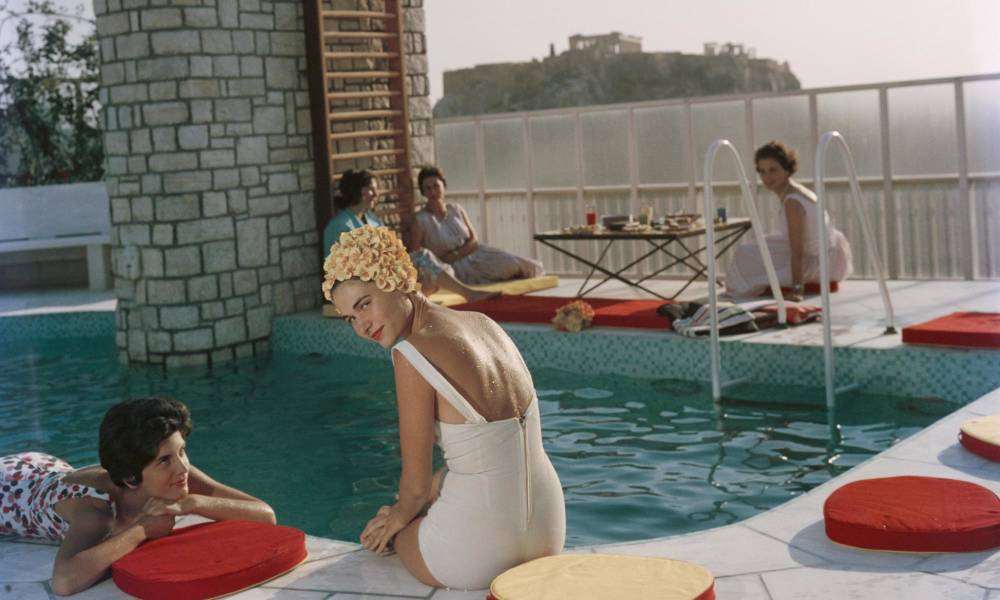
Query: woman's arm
416, 235
416, 399
87, 551
217, 501
795, 216
470, 245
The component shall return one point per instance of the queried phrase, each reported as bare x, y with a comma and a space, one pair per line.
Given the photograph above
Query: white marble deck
777, 555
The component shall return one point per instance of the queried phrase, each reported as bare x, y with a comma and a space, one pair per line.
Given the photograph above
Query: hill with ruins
608, 69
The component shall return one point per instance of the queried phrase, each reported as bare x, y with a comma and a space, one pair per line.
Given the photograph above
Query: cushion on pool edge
958, 329
982, 436
604, 576
209, 560
914, 514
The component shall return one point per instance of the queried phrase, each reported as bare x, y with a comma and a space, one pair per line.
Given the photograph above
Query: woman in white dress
460, 381
445, 230
795, 246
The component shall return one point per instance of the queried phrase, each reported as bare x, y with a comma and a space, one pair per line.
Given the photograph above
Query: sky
826, 42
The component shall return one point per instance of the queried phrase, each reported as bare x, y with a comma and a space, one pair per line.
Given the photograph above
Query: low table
671, 242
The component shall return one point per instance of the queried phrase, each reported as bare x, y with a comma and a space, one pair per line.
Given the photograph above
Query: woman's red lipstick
378, 333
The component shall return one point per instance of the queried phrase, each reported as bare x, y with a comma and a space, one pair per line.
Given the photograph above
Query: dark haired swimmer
101, 513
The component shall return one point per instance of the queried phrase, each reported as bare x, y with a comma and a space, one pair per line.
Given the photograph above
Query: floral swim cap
370, 254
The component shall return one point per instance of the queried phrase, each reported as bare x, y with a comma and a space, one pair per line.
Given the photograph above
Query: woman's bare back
477, 357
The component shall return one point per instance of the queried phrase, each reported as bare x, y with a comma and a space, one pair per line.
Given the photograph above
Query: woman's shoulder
94, 476
798, 192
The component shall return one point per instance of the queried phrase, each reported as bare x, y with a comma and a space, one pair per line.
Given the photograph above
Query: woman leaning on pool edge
460, 381
101, 513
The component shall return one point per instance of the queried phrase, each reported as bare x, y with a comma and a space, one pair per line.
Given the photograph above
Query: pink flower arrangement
574, 316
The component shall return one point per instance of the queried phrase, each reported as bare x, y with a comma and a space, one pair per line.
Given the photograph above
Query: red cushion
914, 514
540, 309
209, 560
964, 329
982, 436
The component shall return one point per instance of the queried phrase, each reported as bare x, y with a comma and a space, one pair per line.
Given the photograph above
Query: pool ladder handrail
824, 259
755, 222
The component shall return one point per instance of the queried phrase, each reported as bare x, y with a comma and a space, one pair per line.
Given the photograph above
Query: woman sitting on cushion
446, 231
357, 193
459, 380
795, 246
101, 513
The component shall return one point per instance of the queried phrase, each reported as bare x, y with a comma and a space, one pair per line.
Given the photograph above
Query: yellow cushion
514, 287
986, 429
604, 576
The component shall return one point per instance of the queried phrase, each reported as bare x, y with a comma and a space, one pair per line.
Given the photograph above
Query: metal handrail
824, 259
707, 215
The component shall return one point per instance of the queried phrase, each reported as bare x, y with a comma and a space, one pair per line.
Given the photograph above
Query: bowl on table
615, 222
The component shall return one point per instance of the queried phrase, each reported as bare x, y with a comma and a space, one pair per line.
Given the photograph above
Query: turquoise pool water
315, 436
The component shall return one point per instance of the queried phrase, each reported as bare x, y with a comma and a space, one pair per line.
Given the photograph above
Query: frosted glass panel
856, 116
720, 120
982, 125
922, 138
605, 147
504, 147
662, 144
785, 119
456, 154
553, 151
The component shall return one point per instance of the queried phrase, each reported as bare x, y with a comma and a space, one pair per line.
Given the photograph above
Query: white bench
60, 216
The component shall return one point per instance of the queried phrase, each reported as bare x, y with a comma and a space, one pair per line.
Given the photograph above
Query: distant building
729, 49
608, 44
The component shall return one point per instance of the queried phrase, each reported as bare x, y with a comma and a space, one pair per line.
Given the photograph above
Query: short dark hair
132, 431
349, 187
782, 154
428, 172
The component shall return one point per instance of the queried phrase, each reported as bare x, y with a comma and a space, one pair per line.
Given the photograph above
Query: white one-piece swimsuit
501, 503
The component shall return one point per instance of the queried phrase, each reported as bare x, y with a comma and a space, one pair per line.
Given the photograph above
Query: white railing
708, 214
824, 257
936, 211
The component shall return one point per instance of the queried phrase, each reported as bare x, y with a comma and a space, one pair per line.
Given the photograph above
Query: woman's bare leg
446, 281
407, 547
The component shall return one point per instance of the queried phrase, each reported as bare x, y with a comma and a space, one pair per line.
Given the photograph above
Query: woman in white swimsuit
460, 381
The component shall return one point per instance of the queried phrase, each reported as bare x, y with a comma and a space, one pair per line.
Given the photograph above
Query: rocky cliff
581, 79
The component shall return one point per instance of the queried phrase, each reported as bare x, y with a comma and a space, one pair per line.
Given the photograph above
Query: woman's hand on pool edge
381, 529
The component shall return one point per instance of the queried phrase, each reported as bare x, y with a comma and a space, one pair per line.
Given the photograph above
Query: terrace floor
777, 555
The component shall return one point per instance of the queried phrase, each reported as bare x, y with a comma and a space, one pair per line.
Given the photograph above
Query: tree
49, 109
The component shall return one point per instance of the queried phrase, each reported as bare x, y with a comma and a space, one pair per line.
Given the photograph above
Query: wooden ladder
358, 63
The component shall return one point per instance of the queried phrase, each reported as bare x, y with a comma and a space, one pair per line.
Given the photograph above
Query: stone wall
210, 174
418, 85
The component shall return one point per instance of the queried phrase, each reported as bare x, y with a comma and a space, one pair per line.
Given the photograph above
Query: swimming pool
315, 435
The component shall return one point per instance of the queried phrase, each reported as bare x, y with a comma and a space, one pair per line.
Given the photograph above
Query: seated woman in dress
460, 381
446, 231
101, 513
356, 194
795, 246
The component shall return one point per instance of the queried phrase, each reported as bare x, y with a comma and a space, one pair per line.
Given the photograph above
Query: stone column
418, 88
210, 174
